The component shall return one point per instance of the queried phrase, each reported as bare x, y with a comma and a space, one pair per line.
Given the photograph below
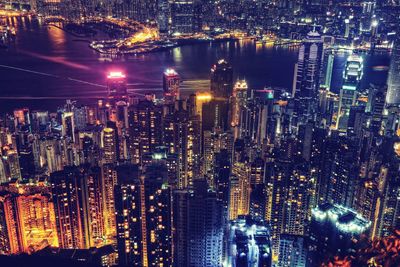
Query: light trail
51, 75
29, 71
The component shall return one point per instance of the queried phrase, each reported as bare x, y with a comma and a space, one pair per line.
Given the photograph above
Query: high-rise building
110, 145
334, 230
145, 131
292, 251
181, 136
222, 79
116, 84
239, 101
239, 190
249, 243
78, 207
393, 82
109, 181
27, 221
143, 216
183, 17
307, 76
68, 125
289, 191
352, 76
198, 226
171, 81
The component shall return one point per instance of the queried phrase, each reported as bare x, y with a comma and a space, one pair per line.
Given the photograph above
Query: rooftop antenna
314, 27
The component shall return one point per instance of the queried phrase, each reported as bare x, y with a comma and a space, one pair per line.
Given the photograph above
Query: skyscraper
183, 16
78, 209
249, 243
198, 226
171, 81
109, 145
222, 79
27, 221
143, 215
108, 182
239, 190
307, 76
351, 79
145, 131
116, 84
393, 91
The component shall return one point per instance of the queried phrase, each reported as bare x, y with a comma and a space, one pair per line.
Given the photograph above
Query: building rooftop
345, 220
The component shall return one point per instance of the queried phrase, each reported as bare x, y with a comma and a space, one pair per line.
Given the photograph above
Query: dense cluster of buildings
233, 177
347, 21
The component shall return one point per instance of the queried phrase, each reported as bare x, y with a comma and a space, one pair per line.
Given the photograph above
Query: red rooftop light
116, 75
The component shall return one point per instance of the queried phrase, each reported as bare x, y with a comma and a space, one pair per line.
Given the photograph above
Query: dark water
56, 57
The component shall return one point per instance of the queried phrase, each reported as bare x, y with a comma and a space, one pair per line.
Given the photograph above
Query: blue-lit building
249, 243
352, 76
334, 230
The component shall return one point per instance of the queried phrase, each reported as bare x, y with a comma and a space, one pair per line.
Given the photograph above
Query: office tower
351, 79
249, 243
108, 182
164, 13
347, 28
171, 81
116, 84
13, 166
334, 230
22, 117
198, 226
80, 117
26, 218
109, 145
68, 125
143, 216
183, 17
239, 190
307, 76
239, 99
357, 121
222, 79
329, 58
90, 141
376, 106
266, 124
292, 251
145, 131
78, 207
215, 115
393, 82
368, 10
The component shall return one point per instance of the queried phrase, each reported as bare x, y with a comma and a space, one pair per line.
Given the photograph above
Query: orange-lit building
27, 221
